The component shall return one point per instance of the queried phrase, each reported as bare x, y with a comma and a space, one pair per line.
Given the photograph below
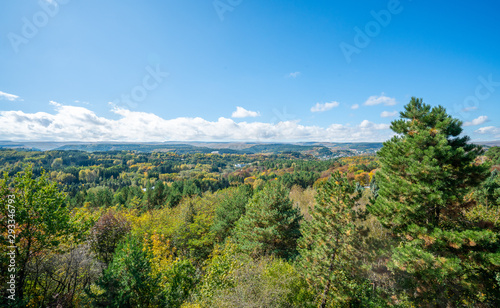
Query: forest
416, 225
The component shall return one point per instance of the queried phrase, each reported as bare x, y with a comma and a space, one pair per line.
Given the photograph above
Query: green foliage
132, 281
99, 196
195, 238
57, 163
488, 193
159, 195
41, 223
427, 175
301, 178
218, 274
327, 252
234, 280
493, 153
127, 281
181, 281
270, 225
427, 169
193, 241
229, 210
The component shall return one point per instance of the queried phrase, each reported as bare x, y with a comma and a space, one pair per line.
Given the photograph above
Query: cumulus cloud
355, 106
489, 130
293, 75
70, 123
382, 99
388, 114
243, 113
371, 125
321, 107
478, 121
9, 97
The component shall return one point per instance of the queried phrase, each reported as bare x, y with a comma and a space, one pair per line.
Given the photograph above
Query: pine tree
128, 280
229, 210
159, 195
270, 225
488, 194
326, 246
427, 174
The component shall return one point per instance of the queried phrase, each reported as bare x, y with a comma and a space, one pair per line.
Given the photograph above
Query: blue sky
243, 70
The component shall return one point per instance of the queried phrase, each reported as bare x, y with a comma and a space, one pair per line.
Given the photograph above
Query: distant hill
144, 147
314, 148
489, 144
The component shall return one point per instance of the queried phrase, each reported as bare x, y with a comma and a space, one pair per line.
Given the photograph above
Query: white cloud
355, 106
371, 125
71, 123
9, 97
382, 99
489, 130
472, 108
243, 113
388, 114
293, 75
478, 121
321, 107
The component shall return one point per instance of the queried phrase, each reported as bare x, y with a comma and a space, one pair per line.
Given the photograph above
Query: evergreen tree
128, 280
229, 210
326, 247
374, 187
494, 154
149, 195
427, 174
270, 225
488, 194
159, 195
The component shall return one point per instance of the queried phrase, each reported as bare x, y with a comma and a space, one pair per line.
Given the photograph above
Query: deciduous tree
39, 220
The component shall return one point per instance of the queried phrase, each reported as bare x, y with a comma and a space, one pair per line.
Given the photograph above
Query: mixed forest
416, 225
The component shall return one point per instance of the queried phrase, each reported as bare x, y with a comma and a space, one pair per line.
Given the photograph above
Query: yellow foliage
249, 180
161, 254
190, 305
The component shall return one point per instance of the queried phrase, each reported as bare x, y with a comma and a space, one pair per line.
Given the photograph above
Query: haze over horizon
242, 70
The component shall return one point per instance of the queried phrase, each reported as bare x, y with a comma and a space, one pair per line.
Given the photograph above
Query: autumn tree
107, 234
35, 222
427, 174
143, 275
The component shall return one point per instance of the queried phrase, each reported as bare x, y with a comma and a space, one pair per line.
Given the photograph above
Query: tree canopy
428, 172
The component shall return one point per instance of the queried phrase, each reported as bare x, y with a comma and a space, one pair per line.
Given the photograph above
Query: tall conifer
428, 172
326, 247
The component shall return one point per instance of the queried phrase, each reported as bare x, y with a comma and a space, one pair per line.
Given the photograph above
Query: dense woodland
417, 225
